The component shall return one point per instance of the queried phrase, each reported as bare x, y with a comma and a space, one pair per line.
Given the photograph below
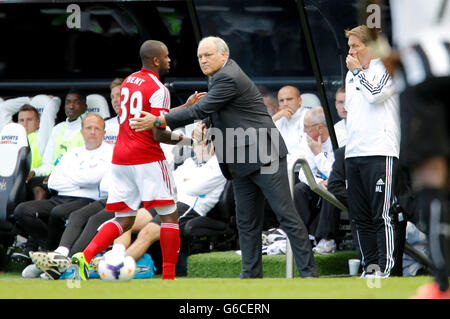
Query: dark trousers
434, 215
82, 226
45, 220
185, 214
370, 197
320, 216
249, 193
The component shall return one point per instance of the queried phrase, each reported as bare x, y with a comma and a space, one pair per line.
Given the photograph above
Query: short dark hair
28, 107
150, 49
78, 92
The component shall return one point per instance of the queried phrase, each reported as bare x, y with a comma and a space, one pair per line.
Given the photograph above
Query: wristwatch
356, 71
157, 123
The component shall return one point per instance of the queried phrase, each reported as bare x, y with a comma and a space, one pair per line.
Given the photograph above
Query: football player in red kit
139, 171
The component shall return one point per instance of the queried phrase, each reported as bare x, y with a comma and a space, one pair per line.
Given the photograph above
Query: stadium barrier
324, 193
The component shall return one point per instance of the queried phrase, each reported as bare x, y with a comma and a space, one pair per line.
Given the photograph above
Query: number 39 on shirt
135, 104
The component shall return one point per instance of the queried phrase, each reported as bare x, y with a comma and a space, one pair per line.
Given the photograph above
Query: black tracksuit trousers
370, 183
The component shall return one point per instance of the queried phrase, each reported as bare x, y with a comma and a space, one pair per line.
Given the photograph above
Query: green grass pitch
12, 286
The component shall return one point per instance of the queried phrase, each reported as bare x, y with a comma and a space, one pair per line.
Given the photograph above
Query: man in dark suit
250, 151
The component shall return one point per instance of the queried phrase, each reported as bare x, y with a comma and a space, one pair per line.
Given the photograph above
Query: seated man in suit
318, 151
76, 180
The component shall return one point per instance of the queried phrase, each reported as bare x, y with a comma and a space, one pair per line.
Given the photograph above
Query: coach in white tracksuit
372, 151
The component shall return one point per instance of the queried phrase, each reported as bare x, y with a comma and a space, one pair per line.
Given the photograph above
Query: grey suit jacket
245, 137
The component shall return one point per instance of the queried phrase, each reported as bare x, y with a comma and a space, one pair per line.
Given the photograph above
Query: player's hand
30, 176
287, 113
143, 123
352, 63
324, 183
198, 133
315, 146
194, 98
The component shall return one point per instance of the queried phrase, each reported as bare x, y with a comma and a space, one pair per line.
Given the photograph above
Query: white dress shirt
320, 164
199, 187
292, 130
72, 129
340, 128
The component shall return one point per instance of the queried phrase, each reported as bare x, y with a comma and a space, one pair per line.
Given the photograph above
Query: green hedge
228, 265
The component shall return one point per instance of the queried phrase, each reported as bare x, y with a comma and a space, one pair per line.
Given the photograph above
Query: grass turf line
12, 286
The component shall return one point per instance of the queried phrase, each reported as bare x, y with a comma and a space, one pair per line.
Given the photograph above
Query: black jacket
239, 118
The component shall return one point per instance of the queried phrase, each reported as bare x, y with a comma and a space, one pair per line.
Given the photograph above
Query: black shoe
22, 255
53, 272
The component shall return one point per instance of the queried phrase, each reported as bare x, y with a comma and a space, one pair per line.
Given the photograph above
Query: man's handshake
147, 122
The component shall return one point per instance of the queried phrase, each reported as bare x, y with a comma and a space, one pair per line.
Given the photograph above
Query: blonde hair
115, 82
363, 32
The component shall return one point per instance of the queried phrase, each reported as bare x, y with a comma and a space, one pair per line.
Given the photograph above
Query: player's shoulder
378, 66
132, 75
348, 76
145, 82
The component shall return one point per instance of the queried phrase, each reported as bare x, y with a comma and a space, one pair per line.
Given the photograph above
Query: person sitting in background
76, 180
336, 181
38, 130
38, 127
81, 227
318, 151
289, 119
112, 123
340, 127
84, 222
199, 184
270, 101
10, 107
337, 186
64, 136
